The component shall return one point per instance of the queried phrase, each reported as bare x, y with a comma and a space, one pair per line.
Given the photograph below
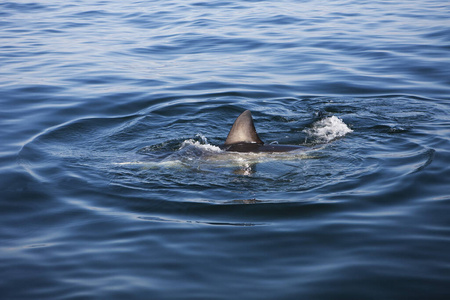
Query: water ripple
113, 185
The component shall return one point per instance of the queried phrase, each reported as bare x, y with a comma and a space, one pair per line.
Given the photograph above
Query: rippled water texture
114, 186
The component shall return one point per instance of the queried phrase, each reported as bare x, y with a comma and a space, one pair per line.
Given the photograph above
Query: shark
244, 138
243, 148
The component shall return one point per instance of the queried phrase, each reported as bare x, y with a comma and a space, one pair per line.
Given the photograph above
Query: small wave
328, 129
201, 142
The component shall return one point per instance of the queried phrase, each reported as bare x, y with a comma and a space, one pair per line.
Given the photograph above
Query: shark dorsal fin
243, 130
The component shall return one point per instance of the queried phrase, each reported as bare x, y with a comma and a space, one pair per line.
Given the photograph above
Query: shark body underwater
244, 138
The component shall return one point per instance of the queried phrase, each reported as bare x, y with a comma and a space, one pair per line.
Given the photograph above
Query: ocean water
113, 185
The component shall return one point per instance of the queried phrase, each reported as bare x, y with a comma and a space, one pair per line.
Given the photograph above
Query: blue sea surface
113, 185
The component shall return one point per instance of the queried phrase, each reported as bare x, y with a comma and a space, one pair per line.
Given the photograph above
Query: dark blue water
112, 185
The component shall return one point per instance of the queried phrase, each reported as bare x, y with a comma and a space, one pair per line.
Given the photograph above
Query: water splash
328, 129
200, 142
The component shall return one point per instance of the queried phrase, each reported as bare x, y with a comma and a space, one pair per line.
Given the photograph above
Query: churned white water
328, 129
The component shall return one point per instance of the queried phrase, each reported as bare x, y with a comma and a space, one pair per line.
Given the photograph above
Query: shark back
243, 131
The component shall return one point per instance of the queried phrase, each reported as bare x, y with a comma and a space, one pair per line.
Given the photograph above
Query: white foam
202, 145
328, 129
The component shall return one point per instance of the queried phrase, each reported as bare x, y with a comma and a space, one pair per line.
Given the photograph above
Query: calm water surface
112, 185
